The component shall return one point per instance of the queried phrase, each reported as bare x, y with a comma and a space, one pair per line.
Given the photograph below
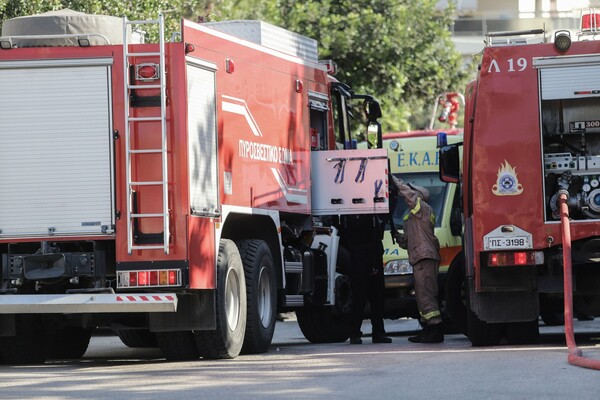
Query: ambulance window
437, 190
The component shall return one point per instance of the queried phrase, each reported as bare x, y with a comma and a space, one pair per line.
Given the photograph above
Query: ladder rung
149, 215
147, 183
144, 54
131, 149
147, 247
137, 119
145, 86
143, 22
147, 151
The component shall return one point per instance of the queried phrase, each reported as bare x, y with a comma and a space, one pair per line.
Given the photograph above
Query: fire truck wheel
70, 343
177, 345
261, 295
522, 332
456, 308
479, 332
320, 325
551, 309
137, 338
30, 345
227, 339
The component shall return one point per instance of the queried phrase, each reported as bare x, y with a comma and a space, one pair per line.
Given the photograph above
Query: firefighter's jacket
418, 226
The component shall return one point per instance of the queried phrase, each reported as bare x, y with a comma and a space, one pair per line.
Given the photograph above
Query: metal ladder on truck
133, 216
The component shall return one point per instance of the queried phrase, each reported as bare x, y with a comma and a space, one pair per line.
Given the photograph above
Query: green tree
133, 9
400, 51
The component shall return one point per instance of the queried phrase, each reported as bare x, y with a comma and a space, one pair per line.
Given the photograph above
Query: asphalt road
296, 369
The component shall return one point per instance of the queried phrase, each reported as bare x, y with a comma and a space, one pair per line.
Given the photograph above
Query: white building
475, 18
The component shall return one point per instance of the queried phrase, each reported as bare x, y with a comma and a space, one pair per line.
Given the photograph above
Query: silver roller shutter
202, 129
56, 166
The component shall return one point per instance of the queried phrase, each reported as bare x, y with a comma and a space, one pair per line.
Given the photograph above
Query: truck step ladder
132, 215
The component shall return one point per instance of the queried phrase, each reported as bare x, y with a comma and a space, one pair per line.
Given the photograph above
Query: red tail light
172, 277
146, 72
511, 258
149, 278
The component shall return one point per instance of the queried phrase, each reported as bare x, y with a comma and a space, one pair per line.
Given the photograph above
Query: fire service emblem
507, 184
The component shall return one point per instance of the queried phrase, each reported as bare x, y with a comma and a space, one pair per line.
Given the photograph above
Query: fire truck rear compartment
570, 128
56, 157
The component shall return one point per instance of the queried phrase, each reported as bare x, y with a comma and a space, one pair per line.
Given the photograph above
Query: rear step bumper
87, 303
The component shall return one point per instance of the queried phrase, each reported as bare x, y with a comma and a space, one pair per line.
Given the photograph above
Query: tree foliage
400, 51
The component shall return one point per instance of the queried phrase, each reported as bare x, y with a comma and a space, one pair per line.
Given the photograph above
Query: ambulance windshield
437, 190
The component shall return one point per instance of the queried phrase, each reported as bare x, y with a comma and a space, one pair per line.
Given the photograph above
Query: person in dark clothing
361, 235
424, 255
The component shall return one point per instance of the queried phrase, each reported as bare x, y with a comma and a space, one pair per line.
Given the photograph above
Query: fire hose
575, 354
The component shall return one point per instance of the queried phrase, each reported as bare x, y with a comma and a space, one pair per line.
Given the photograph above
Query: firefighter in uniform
424, 255
361, 235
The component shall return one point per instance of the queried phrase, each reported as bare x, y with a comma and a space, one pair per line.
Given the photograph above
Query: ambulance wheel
30, 345
260, 295
320, 325
178, 345
137, 338
227, 339
70, 343
455, 301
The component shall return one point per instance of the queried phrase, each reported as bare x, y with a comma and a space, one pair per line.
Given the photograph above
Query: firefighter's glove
397, 182
401, 239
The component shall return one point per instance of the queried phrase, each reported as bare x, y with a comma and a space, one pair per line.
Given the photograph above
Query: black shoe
429, 334
355, 340
381, 339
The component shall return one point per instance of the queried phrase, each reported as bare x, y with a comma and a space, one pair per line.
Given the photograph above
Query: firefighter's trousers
426, 290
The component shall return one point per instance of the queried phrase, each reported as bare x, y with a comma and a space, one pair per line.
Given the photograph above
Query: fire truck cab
532, 132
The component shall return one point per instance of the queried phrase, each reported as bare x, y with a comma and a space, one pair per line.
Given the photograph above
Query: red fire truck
177, 192
532, 134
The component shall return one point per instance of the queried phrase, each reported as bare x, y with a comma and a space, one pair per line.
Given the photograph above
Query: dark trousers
367, 282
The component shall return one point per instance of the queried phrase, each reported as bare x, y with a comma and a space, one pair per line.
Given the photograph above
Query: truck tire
178, 345
261, 296
319, 324
479, 332
30, 345
70, 343
227, 339
455, 290
522, 332
135, 338
551, 309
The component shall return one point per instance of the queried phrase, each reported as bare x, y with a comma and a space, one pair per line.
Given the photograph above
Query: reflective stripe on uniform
417, 206
430, 315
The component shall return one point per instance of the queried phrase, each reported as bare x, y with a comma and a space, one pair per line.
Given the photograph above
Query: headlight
398, 267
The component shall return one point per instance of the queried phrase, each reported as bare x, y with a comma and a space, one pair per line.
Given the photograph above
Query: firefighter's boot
429, 334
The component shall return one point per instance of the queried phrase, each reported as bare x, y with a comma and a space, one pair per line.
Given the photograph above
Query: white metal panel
55, 150
349, 182
76, 303
270, 36
202, 139
570, 82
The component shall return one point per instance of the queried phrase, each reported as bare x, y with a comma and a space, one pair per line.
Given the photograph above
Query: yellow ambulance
414, 158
